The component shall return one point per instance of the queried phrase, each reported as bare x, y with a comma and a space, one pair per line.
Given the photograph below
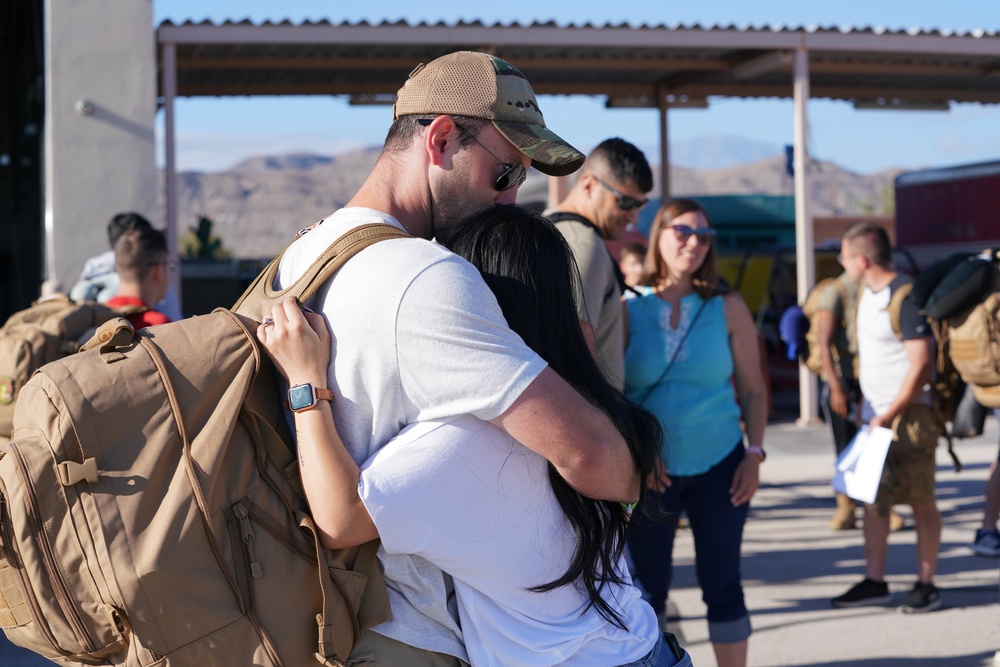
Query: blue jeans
717, 528
661, 656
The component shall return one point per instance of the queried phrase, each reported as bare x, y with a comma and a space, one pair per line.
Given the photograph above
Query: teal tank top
695, 402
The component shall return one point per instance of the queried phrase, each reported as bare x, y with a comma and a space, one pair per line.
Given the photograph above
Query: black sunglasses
705, 235
513, 174
625, 202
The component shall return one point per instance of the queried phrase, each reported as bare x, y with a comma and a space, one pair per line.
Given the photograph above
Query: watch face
300, 397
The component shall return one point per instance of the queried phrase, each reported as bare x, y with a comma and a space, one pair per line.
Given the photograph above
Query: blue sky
214, 133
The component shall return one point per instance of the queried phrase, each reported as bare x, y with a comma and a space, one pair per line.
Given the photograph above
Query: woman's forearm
330, 480
753, 401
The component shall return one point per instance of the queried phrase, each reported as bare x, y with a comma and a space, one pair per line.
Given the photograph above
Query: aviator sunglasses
513, 174
625, 202
682, 233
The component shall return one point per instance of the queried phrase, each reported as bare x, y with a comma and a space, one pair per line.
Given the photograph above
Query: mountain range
258, 204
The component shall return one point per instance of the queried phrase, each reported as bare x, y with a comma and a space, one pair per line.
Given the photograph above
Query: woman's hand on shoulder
298, 342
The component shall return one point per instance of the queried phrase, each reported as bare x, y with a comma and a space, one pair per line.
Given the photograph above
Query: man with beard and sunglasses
606, 198
419, 336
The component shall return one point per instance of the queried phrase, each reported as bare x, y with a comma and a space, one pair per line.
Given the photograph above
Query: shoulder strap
673, 357
261, 295
564, 216
842, 290
895, 306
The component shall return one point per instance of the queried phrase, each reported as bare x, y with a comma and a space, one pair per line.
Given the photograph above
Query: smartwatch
303, 397
758, 451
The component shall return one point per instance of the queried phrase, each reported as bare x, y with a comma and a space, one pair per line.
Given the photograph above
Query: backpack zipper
253, 568
26, 589
48, 558
246, 531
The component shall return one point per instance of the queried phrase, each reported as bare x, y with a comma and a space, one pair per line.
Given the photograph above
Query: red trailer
947, 210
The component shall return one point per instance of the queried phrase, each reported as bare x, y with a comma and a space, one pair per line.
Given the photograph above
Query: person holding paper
894, 370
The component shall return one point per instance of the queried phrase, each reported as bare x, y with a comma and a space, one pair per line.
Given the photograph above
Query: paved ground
793, 565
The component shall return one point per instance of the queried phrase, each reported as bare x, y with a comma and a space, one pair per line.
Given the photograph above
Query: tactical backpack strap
942, 402
260, 296
331, 588
896, 305
110, 336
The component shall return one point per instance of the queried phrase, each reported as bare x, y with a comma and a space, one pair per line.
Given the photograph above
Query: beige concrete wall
99, 163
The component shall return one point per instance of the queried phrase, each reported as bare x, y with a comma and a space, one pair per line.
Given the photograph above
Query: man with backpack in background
837, 344
894, 371
606, 198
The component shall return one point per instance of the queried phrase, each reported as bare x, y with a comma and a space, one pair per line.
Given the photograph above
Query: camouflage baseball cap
478, 85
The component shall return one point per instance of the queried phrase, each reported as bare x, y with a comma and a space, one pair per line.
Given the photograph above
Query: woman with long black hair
539, 573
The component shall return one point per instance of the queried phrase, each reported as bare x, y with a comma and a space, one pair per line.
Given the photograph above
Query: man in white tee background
894, 372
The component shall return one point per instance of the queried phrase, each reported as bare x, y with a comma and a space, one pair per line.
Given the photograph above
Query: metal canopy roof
655, 66
633, 66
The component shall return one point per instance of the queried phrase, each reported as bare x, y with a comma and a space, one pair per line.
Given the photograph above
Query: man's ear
588, 183
441, 140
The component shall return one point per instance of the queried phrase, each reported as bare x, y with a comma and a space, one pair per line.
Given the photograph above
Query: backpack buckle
72, 473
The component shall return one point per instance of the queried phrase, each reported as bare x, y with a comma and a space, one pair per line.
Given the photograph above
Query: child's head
631, 263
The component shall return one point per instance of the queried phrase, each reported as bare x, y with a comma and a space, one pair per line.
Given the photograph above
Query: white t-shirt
416, 335
475, 502
883, 361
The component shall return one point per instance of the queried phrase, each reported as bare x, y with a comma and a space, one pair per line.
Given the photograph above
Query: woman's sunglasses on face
682, 233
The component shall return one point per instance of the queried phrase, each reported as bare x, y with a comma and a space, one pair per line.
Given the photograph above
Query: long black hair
526, 263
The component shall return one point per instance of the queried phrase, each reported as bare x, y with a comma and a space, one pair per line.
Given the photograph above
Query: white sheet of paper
859, 467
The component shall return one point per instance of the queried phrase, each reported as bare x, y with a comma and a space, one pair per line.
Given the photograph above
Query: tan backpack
810, 309
150, 507
53, 327
945, 379
974, 346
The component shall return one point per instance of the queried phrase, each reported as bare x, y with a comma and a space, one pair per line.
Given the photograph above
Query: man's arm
553, 420
750, 388
826, 333
470, 362
592, 262
919, 351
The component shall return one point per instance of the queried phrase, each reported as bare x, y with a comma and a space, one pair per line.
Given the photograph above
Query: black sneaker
923, 597
868, 592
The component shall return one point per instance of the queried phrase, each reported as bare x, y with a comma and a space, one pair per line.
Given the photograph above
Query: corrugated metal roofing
639, 63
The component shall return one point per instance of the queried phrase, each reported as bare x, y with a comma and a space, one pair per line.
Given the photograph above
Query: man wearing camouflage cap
416, 333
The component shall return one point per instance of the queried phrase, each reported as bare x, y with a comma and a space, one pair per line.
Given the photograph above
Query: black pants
844, 428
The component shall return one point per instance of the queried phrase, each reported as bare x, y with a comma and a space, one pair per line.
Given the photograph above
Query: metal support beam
664, 148
805, 269
170, 151
762, 64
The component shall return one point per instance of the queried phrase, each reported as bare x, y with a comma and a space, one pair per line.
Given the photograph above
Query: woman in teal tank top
693, 360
